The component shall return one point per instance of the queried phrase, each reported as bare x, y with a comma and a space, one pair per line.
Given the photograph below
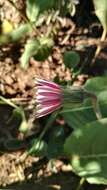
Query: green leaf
71, 59
32, 10
56, 142
39, 48
102, 99
87, 150
45, 48
96, 84
101, 11
30, 49
37, 147
78, 117
34, 7
20, 32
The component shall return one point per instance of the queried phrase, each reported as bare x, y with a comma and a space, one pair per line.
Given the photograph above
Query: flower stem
82, 180
8, 101
49, 123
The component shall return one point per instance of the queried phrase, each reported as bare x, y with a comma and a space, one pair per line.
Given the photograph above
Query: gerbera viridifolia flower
48, 97
51, 96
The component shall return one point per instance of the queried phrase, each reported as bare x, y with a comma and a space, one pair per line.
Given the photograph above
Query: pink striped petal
49, 103
49, 94
42, 82
41, 99
49, 89
48, 97
47, 110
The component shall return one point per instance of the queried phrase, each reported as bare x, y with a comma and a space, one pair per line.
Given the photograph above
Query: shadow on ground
60, 181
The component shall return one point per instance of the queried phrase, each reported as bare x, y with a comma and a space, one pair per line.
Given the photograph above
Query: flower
51, 96
48, 97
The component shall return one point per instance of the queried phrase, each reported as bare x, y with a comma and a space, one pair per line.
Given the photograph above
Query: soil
73, 34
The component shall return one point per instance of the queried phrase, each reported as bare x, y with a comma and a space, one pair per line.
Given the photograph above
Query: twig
99, 47
91, 42
23, 16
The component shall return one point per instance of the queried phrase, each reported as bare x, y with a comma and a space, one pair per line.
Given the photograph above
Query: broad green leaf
87, 149
102, 99
101, 11
96, 84
34, 7
37, 147
56, 141
78, 117
71, 59
39, 48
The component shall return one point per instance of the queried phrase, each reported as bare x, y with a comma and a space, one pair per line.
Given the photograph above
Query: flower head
51, 96
48, 97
